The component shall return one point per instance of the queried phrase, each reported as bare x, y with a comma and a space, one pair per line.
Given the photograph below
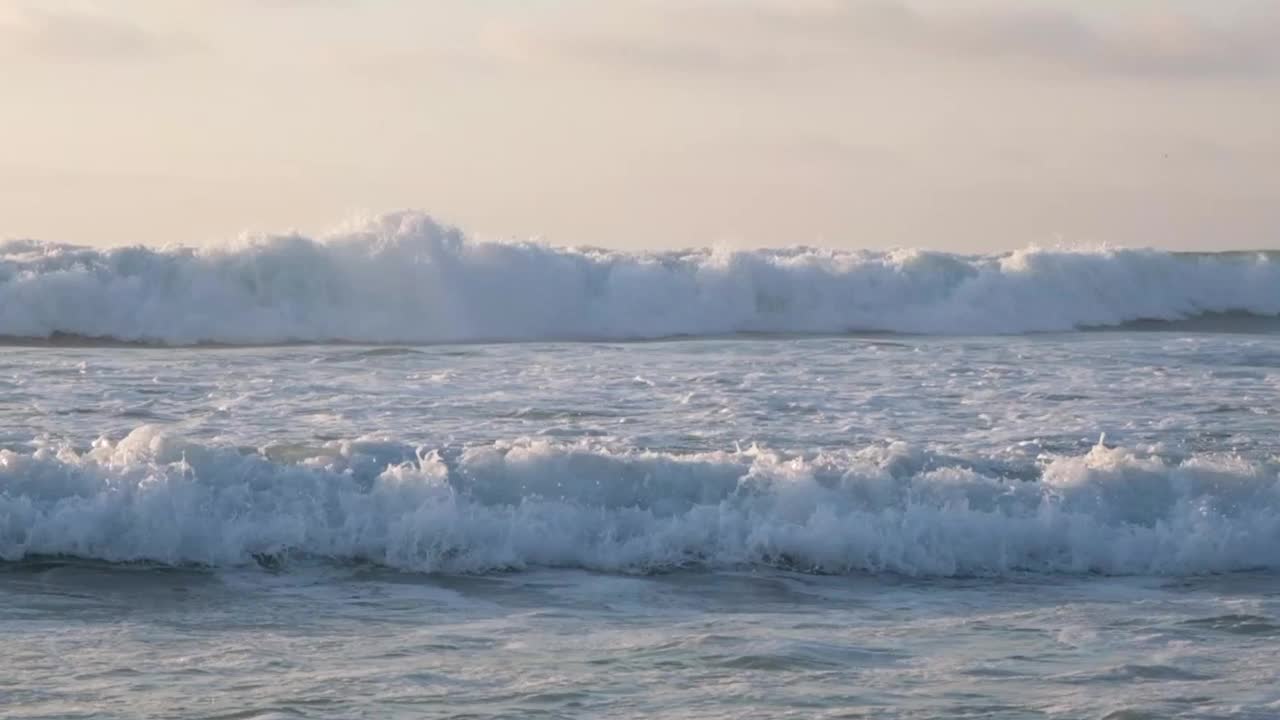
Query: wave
155, 497
405, 278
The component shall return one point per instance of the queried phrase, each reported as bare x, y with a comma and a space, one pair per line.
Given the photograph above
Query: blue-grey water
1083, 525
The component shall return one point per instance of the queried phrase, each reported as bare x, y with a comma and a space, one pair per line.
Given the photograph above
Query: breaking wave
405, 278
156, 497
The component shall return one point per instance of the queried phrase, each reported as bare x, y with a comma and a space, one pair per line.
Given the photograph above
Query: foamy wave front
156, 497
405, 278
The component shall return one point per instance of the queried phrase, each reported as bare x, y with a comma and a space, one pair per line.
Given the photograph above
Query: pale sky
974, 126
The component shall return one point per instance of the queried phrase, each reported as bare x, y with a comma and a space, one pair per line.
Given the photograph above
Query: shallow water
86, 640
752, 527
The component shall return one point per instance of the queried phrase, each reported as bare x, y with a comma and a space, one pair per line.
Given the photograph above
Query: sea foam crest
153, 496
406, 278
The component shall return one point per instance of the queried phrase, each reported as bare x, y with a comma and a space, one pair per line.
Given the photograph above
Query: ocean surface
398, 473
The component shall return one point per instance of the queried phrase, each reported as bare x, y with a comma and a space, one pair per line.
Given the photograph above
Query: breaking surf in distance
406, 278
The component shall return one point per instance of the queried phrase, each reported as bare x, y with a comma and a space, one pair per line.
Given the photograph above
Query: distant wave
406, 279
156, 497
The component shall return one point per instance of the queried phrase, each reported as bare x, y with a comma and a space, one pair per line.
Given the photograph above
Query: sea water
508, 480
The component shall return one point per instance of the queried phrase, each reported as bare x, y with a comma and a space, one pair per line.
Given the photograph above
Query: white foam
405, 278
153, 496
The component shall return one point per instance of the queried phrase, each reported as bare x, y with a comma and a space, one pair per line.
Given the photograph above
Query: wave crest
156, 497
406, 278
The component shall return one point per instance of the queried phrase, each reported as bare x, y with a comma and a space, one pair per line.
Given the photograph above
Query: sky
970, 126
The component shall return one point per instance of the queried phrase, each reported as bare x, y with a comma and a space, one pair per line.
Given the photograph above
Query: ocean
398, 473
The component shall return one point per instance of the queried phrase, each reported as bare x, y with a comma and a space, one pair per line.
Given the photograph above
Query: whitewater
398, 472
151, 497
406, 278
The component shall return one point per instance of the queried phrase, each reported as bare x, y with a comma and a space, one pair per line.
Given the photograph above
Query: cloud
670, 55
751, 36
652, 37
76, 36
1162, 42
290, 4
